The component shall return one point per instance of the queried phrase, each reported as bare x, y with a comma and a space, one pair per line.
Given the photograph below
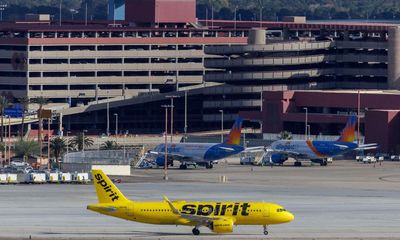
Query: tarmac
345, 200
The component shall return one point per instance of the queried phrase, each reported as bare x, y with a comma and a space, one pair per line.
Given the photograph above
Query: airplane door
129, 210
265, 211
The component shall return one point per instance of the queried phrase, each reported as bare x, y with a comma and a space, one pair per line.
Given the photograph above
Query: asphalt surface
344, 200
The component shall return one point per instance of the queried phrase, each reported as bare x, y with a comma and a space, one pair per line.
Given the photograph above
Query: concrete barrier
12, 178
115, 170
54, 178
3, 178
65, 177
81, 178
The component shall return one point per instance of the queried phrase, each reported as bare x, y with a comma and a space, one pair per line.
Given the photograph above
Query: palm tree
79, 141
285, 135
110, 145
3, 105
26, 148
25, 106
40, 101
58, 146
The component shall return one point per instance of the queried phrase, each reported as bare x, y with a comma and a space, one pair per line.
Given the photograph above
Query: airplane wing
255, 149
367, 146
200, 220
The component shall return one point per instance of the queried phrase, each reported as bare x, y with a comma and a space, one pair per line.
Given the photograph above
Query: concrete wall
394, 58
160, 11
117, 170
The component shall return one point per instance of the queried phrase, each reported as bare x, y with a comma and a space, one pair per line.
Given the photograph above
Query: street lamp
83, 140
116, 124
222, 125
68, 132
236, 7
172, 113
166, 142
185, 127
306, 126
108, 117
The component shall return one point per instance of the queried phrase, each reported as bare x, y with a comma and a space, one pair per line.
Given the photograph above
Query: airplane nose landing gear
265, 230
195, 231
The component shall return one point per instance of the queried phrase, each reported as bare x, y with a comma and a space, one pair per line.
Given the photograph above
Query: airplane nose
289, 217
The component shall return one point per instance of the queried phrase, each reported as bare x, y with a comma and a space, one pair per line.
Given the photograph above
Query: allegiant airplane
203, 153
219, 217
317, 151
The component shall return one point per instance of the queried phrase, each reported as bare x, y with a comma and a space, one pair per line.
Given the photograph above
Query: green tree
25, 106
285, 135
58, 147
110, 145
26, 148
3, 105
80, 140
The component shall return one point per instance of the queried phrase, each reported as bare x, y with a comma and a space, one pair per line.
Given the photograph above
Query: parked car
395, 157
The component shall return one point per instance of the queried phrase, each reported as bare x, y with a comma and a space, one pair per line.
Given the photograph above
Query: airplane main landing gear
324, 163
265, 230
297, 164
183, 166
209, 165
195, 231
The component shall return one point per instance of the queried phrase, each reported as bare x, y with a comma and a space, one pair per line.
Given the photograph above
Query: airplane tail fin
234, 134
348, 133
106, 191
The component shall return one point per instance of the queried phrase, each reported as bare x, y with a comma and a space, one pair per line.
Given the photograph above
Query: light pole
116, 124
166, 143
222, 125
83, 140
68, 132
108, 118
172, 113
185, 127
305, 131
236, 7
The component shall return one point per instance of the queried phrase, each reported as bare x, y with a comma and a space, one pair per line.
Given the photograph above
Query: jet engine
222, 226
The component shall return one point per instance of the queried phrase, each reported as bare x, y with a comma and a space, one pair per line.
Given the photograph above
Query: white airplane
316, 151
203, 153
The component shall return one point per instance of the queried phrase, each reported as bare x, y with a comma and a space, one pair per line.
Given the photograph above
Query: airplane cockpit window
281, 210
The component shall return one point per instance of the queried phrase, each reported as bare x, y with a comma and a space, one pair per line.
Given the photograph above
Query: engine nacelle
278, 158
222, 226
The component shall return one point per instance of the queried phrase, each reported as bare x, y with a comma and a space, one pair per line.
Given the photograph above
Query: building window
82, 60
34, 74
83, 48
117, 34
55, 74
136, 47
55, 48
55, 61
35, 48
109, 74
62, 34
5, 60
136, 60
35, 61
55, 87
12, 74
82, 74
136, 73
89, 34
109, 60
109, 48
34, 87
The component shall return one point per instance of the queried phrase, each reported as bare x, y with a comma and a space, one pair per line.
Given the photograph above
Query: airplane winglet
174, 210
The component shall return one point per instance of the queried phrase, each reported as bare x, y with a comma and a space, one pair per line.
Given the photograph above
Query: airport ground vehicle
219, 217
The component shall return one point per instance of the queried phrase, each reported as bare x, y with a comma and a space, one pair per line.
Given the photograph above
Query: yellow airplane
219, 217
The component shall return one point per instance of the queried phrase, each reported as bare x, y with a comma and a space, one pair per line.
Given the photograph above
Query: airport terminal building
129, 67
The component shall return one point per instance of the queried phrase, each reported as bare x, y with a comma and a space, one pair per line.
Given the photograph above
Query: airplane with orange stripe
317, 151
